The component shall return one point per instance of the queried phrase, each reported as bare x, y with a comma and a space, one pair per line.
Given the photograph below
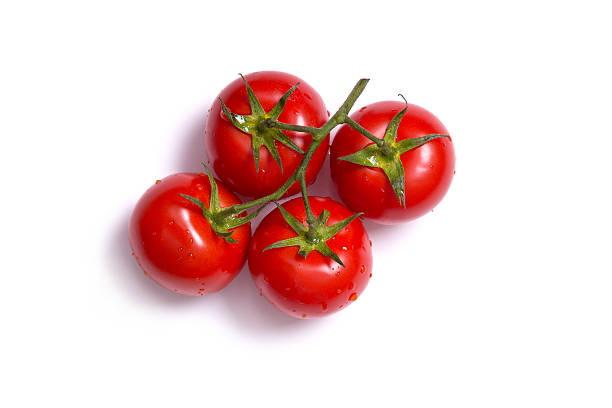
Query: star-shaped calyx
314, 236
220, 221
386, 154
254, 125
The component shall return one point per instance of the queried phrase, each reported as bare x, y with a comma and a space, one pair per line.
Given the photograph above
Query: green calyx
255, 125
314, 236
220, 221
385, 154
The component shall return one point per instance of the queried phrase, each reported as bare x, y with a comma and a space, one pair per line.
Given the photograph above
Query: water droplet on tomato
362, 270
353, 297
191, 255
171, 222
199, 186
339, 291
345, 248
180, 249
351, 285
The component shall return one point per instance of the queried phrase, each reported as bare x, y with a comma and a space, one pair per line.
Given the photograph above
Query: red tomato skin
428, 169
230, 151
175, 245
314, 286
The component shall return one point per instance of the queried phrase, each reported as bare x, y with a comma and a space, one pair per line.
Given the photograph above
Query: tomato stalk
385, 153
318, 134
265, 129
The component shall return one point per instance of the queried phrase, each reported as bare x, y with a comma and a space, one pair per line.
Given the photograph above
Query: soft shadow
323, 185
192, 152
130, 277
249, 311
253, 314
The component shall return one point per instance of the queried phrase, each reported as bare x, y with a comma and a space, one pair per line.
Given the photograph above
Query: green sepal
391, 132
221, 222
326, 251
280, 105
200, 204
387, 155
236, 222
254, 125
408, 144
293, 222
394, 170
370, 156
313, 237
332, 230
294, 241
256, 108
214, 192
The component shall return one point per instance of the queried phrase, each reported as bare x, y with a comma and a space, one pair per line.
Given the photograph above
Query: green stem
365, 132
310, 218
271, 123
318, 134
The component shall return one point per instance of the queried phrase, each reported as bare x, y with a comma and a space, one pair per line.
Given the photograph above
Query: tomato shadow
192, 150
323, 185
251, 313
130, 278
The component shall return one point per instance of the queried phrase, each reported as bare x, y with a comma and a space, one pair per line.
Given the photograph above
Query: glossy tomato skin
230, 151
175, 245
428, 169
314, 286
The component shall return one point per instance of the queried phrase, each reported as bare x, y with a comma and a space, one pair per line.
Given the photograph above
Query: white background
499, 298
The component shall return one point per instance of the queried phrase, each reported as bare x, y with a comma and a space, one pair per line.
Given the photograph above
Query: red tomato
314, 286
230, 151
428, 169
175, 245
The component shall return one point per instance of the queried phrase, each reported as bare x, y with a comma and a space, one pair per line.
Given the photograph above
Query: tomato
316, 285
428, 169
175, 245
230, 150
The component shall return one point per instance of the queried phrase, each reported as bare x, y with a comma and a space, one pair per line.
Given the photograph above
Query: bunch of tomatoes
267, 137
